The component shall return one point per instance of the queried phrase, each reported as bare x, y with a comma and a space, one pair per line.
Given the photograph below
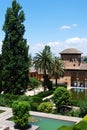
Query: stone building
75, 71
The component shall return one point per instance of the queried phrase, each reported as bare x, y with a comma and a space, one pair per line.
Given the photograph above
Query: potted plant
20, 111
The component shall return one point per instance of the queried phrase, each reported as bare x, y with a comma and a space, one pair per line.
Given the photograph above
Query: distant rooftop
71, 51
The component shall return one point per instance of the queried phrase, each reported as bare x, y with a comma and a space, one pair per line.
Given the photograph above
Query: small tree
21, 113
33, 83
61, 97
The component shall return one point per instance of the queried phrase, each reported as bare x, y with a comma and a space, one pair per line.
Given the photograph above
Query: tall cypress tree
14, 51
0, 72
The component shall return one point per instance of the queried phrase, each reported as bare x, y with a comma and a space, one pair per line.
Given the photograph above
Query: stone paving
5, 124
8, 113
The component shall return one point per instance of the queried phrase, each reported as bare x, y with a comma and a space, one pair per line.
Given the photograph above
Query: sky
61, 24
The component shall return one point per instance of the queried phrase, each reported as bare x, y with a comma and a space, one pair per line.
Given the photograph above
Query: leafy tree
61, 97
34, 83
44, 61
15, 51
58, 69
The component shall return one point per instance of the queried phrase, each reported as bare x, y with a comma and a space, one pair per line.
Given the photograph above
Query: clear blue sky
58, 23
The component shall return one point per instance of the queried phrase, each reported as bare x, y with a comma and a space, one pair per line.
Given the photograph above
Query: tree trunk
56, 82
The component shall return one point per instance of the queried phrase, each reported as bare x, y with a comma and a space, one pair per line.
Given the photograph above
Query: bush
33, 82
6, 100
20, 113
82, 125
61, 97
35, 102
75, 113
62, 85
46, 107
85, 118
24, 98
83, 108
45, 93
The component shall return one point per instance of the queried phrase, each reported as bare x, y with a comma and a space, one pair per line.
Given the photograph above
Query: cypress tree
15, 51
0, 72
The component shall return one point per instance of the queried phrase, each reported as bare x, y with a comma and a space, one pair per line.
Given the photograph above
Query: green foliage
61, 97
47, 83
24, 98
82, 125
83, 108
65, 128
6, 100
35, 102
45, 94
46, 107
62, 85
85, 118
20, 113
44, 62
33, 82
58, 69
15, 52
73, 113
0, 73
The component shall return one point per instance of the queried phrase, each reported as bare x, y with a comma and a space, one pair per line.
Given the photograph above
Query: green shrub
65, 128
85, 118
35, 102
82, 125
75, 113
46, 107
33, 82
61, 97
6, 100
83, 108
20, 113
24, 98
45, 93
62, 85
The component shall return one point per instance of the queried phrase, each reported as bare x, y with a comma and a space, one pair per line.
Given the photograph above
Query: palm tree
44, 61
58, 69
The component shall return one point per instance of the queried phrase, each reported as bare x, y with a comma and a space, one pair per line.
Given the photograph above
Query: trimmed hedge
20, 111
45, 94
